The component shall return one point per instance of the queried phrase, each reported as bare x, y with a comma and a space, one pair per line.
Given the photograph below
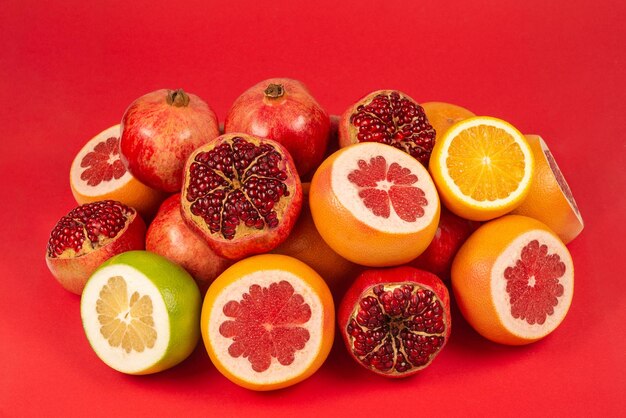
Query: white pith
501, 298
240, 366
348, 193
105, 186
544, 148
443, 155
117, 357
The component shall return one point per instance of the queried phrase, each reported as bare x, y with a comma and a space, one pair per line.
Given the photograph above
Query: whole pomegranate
395, 321
390, 117
242, 194
452, 232
159, 131
89, 235
168, 235
283, 110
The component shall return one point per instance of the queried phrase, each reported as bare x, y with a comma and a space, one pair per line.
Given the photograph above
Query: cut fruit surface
389, 117
268, 322
550, 199
89, 235
141, 313
482, 167
242, 194
374, 205
395, 321
97, 173
513, 280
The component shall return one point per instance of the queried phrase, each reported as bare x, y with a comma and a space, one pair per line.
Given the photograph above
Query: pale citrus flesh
97, 173
374, 205
136, 334
550, 198
482, 167
513, 280
268, 322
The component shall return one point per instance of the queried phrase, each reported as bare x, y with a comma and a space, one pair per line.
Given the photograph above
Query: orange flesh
486, 163
125, 323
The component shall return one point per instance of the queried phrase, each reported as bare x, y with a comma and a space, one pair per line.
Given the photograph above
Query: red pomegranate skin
452, 232
295, 119
73, 273
159, 131
168, 235
394, 275
331, 147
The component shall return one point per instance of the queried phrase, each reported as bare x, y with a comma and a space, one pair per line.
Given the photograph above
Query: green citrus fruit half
141, 313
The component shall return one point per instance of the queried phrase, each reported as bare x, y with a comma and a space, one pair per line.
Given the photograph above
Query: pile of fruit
256, 225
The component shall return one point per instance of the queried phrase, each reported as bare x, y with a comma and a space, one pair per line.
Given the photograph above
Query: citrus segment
443, 115
268, 322
513, 280
374, 205
141, 313
482, 168
97, 173
550, 198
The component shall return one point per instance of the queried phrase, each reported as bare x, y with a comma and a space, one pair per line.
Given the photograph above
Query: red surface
69, 70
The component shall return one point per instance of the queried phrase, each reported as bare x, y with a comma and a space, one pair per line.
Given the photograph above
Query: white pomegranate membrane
97, 168
267, 326
532, 282
125, 319
384, 188
397, 327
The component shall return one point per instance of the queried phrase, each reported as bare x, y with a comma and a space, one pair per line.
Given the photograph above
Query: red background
69, 70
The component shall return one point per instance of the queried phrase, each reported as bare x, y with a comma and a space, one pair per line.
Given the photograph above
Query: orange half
482, 167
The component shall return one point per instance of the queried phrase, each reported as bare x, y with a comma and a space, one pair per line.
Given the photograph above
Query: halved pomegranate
89, 235
395, 321
242, 194
390, 117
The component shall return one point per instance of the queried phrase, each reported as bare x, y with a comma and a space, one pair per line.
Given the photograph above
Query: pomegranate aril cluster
399, 327
95, 221
237, 182
398, 121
